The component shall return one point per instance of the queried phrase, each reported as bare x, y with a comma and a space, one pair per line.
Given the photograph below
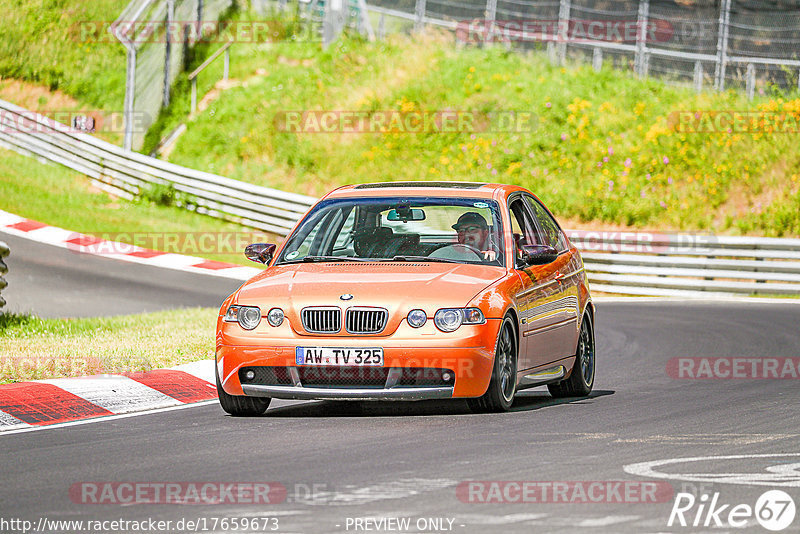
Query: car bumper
468, 354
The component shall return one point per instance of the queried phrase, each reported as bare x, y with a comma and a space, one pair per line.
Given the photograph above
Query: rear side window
551, 233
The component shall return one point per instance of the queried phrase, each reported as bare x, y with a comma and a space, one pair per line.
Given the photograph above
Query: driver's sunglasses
468, 229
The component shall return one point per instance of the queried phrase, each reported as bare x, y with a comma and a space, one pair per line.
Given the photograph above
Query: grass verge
34, 348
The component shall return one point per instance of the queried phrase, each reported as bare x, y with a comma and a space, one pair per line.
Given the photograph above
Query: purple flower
599, 164
494, 171
494, 143
642, 194
628, 162
662, 204
605, 159
666, 160
610, 151
488, 165
647, 175
669, 180
563, 137
548, 104
473, 137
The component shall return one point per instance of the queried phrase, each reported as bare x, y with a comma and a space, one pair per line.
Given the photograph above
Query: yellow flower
472, 69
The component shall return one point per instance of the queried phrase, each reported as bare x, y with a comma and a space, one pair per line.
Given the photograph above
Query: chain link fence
158, 35
742, 44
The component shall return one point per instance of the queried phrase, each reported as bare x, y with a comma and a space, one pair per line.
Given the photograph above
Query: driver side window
524, 231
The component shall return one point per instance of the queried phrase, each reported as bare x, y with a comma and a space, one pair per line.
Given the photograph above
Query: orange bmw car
410, 291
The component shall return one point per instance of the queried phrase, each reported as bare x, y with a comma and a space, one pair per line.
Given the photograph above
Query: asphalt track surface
56, 282
341, 463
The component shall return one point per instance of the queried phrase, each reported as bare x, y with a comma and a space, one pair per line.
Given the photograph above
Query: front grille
349, 376
365, 320
322, 320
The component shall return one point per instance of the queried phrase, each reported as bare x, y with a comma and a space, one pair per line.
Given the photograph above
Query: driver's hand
489, 255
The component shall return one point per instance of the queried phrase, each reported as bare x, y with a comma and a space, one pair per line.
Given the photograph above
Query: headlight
248, 317
275, 316
449, 319
417, 318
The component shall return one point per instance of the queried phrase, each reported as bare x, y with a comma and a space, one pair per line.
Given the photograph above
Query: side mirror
260, 252
539, 254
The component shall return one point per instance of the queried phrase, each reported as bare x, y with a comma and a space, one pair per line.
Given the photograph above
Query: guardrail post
4, 251
750, 81
563, 29
597, 59
641, 38
194, 95
722, 44
698, 76
419, 15
382, 28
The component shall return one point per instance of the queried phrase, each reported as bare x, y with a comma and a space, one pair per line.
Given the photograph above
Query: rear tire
503, 385
581, 380
240, 405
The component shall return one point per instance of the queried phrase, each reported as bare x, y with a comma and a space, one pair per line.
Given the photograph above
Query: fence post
381, 28
226, 70
563, 29
750, 83
722, 44
130, 92
641, 38
698, 76
419, 16
199, 18
490, 15
168, 48
597, 59
194, 94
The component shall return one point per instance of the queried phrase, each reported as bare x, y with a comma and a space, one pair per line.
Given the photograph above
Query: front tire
503, 384
240, 405
581, 380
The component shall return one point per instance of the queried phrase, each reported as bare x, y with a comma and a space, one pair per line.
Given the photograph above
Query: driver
473, 231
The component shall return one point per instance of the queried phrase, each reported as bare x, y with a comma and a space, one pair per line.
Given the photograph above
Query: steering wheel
455, 252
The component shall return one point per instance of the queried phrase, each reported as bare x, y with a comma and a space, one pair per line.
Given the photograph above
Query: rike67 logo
774, 510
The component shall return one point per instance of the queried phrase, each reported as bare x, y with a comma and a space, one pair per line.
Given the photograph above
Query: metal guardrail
634, 263
126, 174
4, 251
638, 263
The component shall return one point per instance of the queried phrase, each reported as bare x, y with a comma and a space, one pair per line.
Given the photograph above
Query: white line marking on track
606, 521
781, 476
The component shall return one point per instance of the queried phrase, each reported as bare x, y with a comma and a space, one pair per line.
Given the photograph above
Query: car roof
440, 189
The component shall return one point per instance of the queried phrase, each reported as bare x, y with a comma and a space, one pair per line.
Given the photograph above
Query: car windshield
452, 230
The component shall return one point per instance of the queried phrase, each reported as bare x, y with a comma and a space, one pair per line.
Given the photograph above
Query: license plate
338, 356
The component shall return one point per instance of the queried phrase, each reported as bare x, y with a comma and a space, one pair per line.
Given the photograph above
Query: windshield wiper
423, 258
320, 259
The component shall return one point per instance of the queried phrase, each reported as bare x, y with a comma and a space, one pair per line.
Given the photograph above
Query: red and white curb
26, 405
86, 244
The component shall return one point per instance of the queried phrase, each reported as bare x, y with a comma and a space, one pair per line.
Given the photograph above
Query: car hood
396, 286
